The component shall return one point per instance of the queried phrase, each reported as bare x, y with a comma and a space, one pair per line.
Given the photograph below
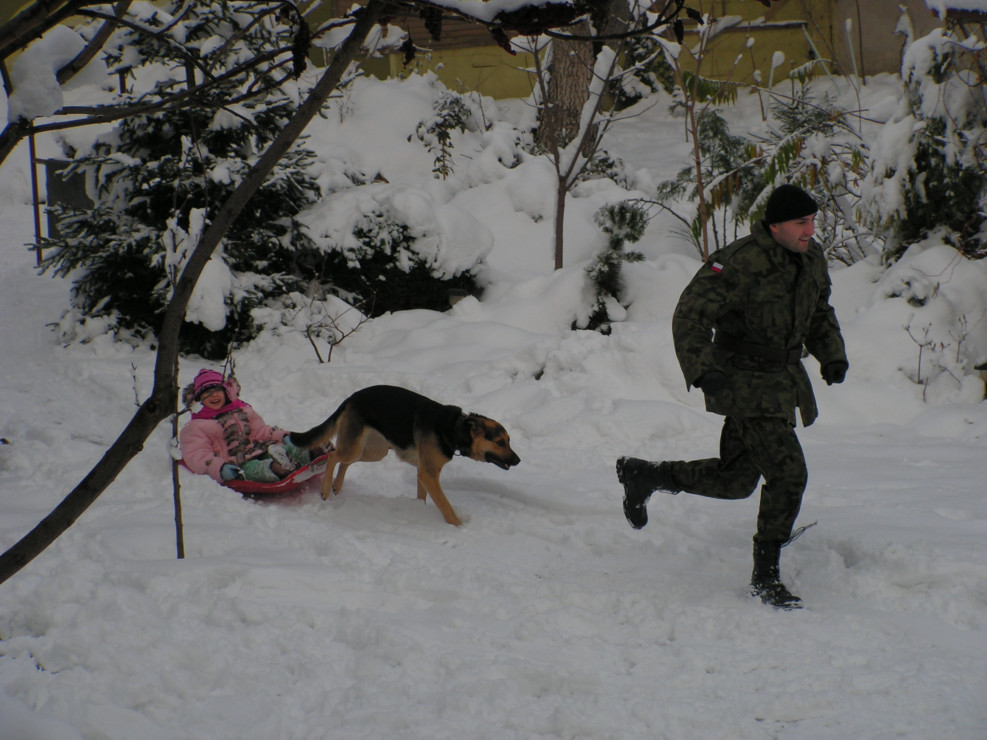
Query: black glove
713, 382
834, 372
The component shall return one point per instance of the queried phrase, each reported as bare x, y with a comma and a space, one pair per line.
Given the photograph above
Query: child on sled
226, 439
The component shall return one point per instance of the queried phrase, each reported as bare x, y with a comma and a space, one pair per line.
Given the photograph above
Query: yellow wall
813, 29
787, 27
880, 49
491, 71
488, 70
10, 8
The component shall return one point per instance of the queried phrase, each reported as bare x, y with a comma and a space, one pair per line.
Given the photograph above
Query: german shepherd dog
422, 432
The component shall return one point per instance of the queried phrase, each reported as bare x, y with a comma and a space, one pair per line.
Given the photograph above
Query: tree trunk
162, 400
570, 71
560, 195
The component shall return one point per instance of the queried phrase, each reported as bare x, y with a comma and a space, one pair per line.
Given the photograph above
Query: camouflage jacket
749, 312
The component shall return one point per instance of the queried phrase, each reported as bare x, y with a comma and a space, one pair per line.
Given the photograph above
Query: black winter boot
766, 580
641, 478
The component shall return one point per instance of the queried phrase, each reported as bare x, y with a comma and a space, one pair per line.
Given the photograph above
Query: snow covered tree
810, 142
575, 80
928, 171
621, 222
155, 178
813, 143
732, 182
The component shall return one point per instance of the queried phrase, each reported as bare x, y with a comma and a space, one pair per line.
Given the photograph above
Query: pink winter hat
205, 380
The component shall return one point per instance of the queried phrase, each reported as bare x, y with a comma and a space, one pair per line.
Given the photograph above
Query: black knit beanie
788, 202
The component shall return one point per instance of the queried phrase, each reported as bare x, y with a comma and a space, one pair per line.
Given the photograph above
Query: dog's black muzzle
501, 463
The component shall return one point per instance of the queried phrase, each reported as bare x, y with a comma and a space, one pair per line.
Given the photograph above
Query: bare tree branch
17, 130
94, 46
32, 22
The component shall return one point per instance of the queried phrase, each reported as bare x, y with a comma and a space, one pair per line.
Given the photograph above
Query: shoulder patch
716, 267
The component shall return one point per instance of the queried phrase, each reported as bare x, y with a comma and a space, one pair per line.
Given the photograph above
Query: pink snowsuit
232, 434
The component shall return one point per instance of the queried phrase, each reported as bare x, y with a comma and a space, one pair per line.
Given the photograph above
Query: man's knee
740, 487
792, 476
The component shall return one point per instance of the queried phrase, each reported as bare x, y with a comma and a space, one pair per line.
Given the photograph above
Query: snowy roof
942, 7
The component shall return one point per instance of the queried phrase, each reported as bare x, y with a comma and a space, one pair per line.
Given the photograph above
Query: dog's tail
318, 436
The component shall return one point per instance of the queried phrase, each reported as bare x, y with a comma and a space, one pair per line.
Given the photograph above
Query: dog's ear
482, 426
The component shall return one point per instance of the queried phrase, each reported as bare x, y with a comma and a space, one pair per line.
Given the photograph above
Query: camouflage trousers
751, 449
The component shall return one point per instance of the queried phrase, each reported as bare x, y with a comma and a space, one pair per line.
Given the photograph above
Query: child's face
214, 398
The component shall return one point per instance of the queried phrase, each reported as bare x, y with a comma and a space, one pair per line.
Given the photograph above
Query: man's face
794, 235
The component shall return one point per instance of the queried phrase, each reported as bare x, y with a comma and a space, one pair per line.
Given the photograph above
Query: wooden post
176, 485
34, 193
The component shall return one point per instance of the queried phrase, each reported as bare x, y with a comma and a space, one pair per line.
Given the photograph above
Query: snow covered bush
451, 111
385, 270
326, 323
934, 294
732, 183
928, 168
809, 142
621, 222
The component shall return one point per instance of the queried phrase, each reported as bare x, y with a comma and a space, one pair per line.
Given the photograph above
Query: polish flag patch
716, 267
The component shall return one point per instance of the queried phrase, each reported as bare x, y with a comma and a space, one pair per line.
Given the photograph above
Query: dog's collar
462, 441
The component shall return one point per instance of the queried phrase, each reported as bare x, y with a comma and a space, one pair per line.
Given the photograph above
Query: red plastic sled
312, 472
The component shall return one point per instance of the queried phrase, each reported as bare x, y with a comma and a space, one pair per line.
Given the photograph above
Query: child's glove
229, 471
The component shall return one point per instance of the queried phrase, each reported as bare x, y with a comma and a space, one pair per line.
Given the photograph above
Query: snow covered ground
545, 615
